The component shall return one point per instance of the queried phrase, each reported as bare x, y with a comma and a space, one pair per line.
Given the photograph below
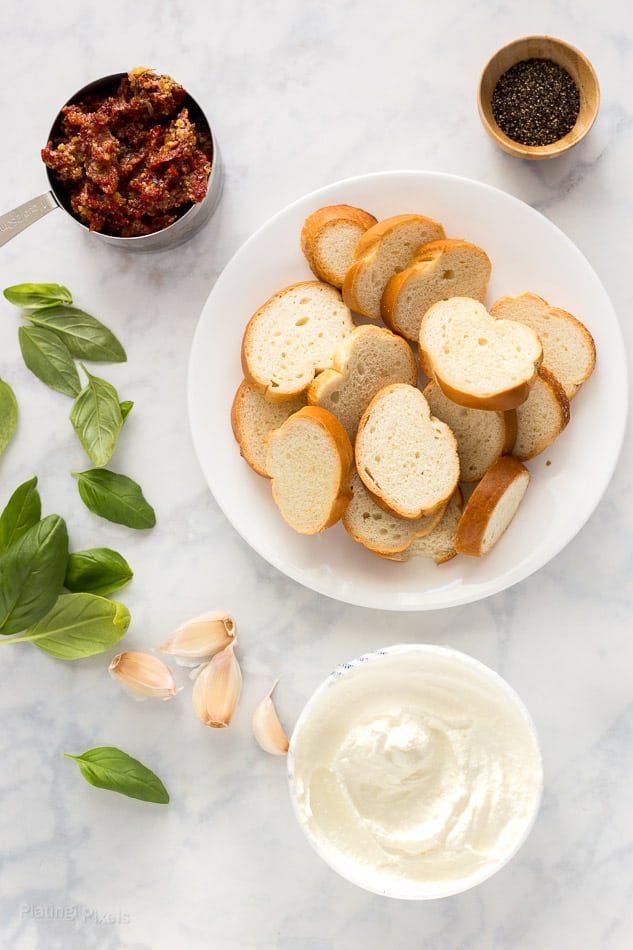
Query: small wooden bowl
540, 47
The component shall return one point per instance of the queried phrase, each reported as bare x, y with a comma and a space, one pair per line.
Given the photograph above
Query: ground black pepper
535, 102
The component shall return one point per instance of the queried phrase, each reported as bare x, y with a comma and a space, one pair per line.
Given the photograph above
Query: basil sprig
37, 296
8, 414
115, 497
48, 357
98, 571
77, 626
31, 574
110, 768
22, 511
96, 417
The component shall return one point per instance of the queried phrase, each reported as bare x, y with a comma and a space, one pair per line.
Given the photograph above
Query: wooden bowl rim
589, 93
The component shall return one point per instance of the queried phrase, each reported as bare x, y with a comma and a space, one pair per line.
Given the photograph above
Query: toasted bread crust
571, 376
367, 253
248, 431
426, 481
315, 227
263, 382
437, 361
560, 402
343, 494
422, 264
483, 502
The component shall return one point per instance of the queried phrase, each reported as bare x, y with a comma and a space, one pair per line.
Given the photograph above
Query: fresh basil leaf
115, 497
8, 414
110, 768
126, 408
32, 573
78, 625
48, 357
96, 418
37, 296
22, 511
85, 336
97, 570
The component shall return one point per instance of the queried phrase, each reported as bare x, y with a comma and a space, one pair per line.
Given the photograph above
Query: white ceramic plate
527, 252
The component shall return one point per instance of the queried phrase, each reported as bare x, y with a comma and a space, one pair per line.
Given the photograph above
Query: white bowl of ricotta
415, 772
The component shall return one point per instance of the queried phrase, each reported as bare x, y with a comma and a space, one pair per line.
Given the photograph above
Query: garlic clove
217, 688
267, 729
201, 637
143, 674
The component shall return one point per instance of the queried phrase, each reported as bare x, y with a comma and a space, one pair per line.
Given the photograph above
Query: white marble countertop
300, 95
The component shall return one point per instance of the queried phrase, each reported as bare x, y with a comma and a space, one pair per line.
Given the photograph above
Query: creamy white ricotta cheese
416, 772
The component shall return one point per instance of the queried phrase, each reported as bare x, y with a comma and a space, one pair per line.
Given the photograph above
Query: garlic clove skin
267, 728
201, 637
143, 675
217, 689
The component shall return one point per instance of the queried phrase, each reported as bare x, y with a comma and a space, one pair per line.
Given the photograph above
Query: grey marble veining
300, 95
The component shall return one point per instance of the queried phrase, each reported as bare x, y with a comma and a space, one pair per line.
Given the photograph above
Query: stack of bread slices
386, 395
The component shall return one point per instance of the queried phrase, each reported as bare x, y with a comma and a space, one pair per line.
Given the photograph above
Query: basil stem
110, 768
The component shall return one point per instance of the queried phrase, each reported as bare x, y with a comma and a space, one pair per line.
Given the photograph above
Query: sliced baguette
405, 457
368, 359
482, 435
542, 417
308, 460
479, 361
439, 543
569, 350
376, 529
292, 337
439, 270
384, 250
329, 238
491, 507
253, 417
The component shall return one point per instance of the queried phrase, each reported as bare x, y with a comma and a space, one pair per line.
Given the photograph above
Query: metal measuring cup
15, 221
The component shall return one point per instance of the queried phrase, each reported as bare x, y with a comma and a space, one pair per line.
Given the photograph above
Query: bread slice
479, 361
439, 270
253, 417
569, 350
491, 507
405, 457
439, 543
368, 359
292, 337
308, 459
376, 529
542, 417
384, 250
329, 238
482, 435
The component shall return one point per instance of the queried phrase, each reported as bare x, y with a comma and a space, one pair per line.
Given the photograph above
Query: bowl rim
567, 141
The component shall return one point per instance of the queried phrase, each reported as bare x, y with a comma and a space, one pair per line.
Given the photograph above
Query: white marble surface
300, 95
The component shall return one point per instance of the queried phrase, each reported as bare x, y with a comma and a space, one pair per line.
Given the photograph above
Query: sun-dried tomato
131, 163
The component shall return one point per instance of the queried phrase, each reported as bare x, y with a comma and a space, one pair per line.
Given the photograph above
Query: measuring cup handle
17, 220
